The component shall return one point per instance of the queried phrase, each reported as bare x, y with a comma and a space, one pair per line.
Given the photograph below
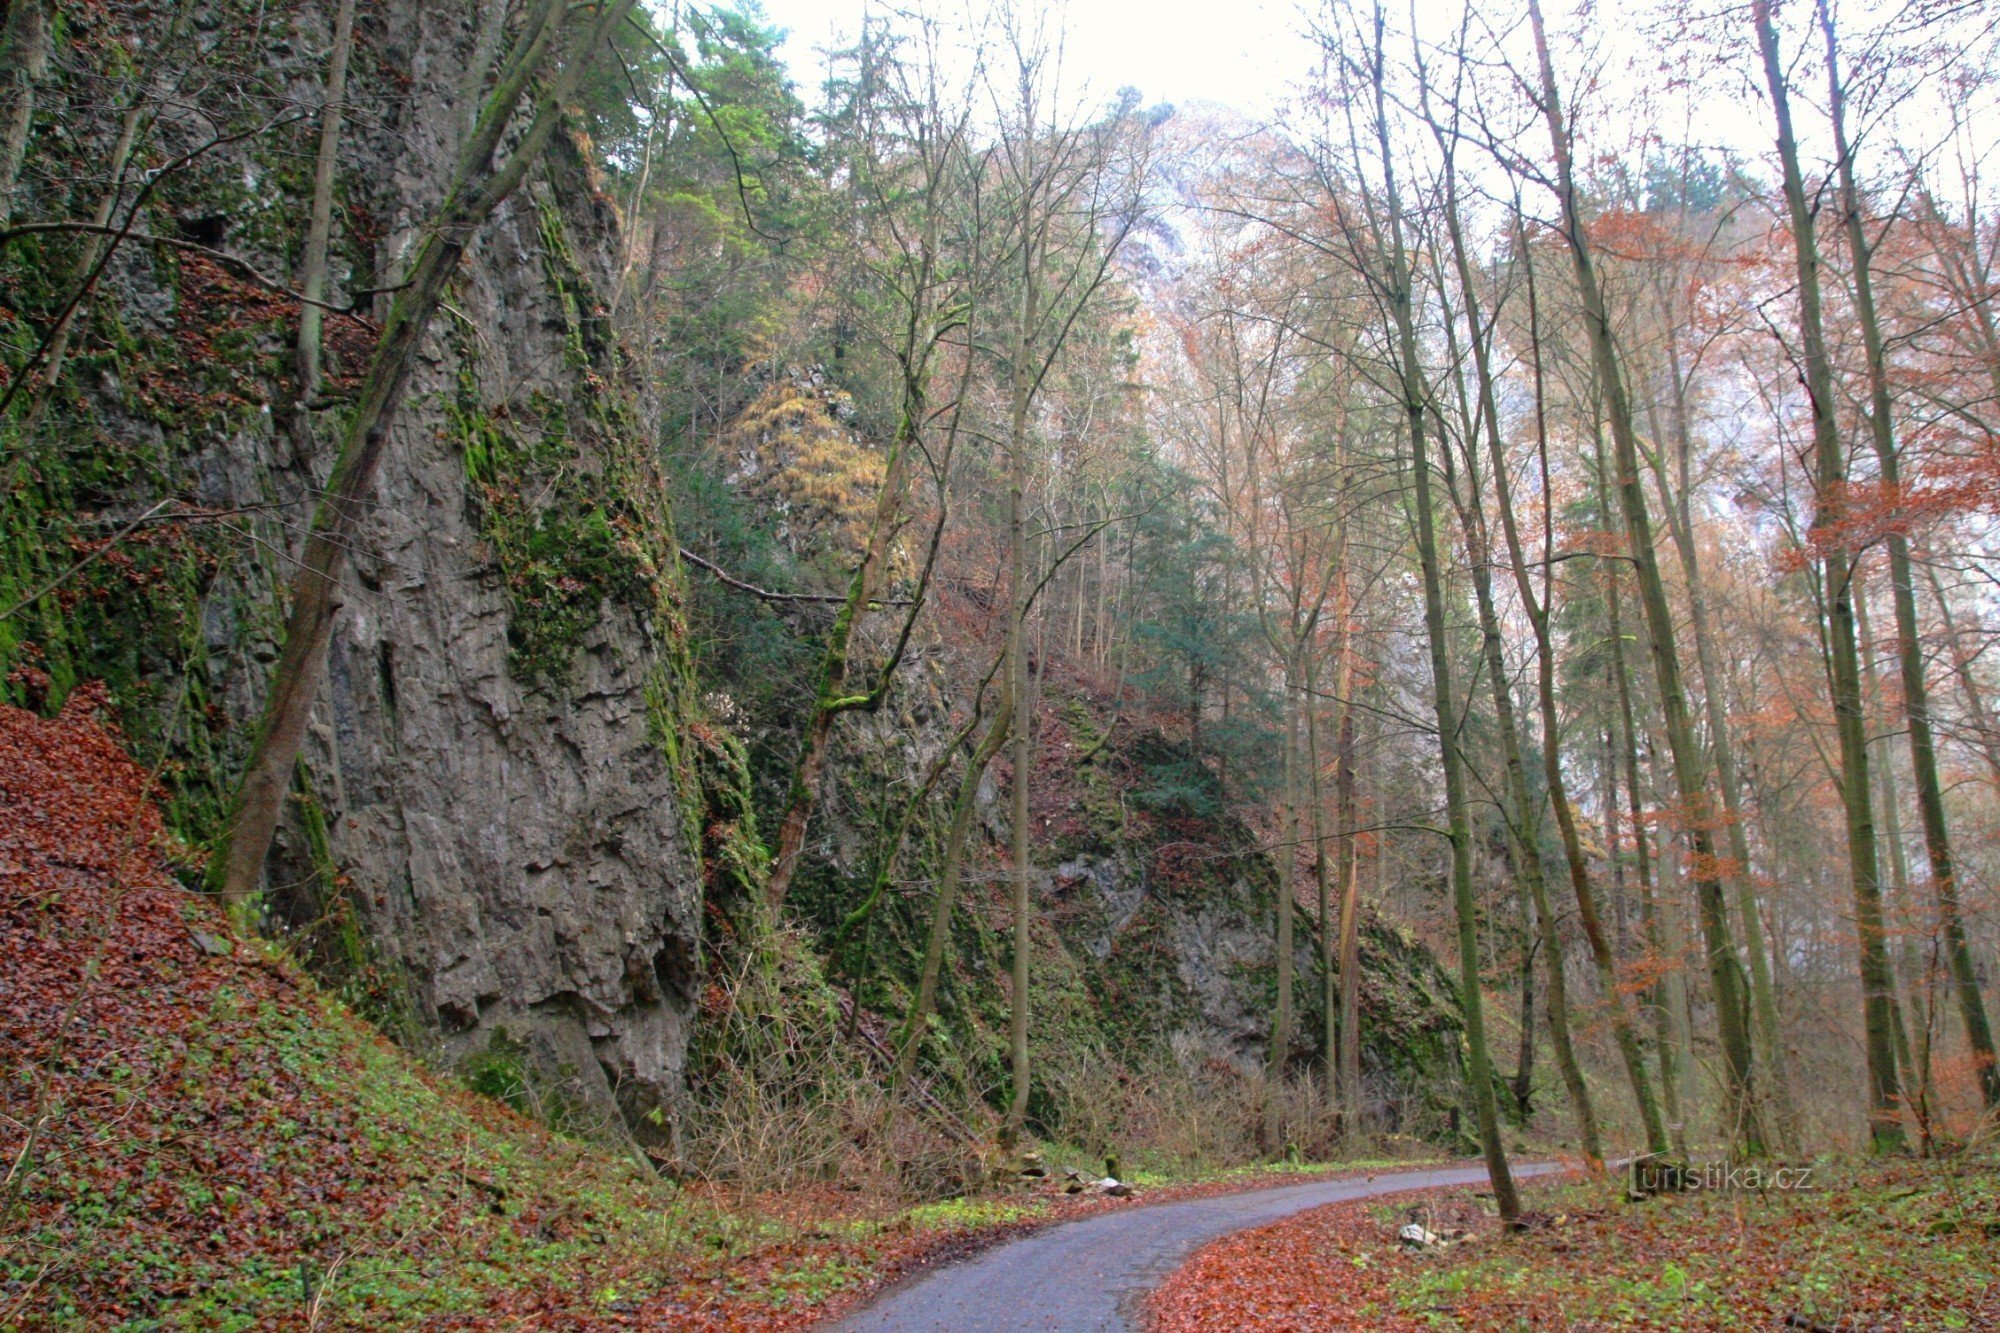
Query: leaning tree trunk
477, 187
92, 248
949, 875
88, 267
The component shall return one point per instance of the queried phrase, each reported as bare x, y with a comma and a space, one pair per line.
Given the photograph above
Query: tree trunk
1691, 786
1916, 1076
1763, 1001
1909, 650
1614, 836
1668, 993
1017, 680
1523, 835
1523, 1082
1275, 1059
24, 61
476, 189
1329, 943
831, 695
1349, 1053
1479, 1063
1538, 610
319, 224
949, 876
1843, 663
92, 248
1988, 739
1525, 843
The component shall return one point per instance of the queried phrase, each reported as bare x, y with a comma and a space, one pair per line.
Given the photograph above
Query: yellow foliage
789, 450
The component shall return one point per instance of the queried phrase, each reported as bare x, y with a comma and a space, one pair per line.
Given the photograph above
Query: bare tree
478, 184
1837, 590
1916, 706
1725, 968
1066, 208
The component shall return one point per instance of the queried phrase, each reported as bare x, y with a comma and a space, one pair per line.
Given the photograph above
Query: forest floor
195, 1134
1864, 1245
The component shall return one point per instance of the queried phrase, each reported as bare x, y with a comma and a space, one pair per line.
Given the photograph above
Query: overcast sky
1243, 53
1253, 55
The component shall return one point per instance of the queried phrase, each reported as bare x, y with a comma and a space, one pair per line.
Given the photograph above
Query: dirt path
1091, 1274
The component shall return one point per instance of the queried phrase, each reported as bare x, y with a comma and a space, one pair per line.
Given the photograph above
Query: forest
646, 686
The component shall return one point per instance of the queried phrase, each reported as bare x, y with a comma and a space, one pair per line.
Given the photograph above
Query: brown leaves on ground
171, 1110
1320, 1269
1877, 1245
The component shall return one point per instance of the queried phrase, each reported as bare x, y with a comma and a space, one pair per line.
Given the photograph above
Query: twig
84, 563
806, 598
241, 267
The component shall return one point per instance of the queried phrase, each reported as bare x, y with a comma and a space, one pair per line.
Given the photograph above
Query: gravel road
1092, 1273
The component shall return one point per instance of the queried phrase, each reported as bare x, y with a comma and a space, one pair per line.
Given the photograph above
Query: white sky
1242, 53
1252, 55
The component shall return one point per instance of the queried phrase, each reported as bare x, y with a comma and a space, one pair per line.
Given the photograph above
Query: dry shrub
781, 1098
774, 1092
1180, 1115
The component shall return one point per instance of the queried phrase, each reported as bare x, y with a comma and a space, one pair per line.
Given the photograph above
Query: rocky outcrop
1198, 896
500, 800
1153, 917
490, 808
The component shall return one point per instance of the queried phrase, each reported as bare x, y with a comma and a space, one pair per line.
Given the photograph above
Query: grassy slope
197, 1135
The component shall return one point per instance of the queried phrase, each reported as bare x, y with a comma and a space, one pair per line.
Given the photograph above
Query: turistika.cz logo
1660, 1177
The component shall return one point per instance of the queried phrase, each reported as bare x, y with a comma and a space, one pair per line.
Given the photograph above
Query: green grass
1895, 1244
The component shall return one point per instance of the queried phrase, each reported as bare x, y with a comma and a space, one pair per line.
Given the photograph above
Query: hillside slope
194, 1129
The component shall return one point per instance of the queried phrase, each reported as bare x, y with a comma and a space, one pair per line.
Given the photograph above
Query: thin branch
84, 563
765, 594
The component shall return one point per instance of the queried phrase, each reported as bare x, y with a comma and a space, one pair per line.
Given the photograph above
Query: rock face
519, 847
1153, 918
1212, 1001
520, 856
485, 781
